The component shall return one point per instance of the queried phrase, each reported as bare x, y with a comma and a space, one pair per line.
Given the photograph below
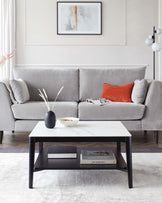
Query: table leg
129, 161
118, 148
31, 160
40, 147
118, 151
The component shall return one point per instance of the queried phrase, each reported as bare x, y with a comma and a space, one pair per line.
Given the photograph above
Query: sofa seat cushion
112, 111
37, 110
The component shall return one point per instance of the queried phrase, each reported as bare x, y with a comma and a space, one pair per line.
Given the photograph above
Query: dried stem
59, 92
57, 95
3, 59
45, 99
44, 96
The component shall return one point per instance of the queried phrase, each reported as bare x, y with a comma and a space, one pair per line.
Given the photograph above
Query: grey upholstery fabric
20, 91
28, 125
7, 121
112, 111
37, 110
92, 80
139, 91
133, 125
25, 125
7, 84
153, 115
51, 80
133, 116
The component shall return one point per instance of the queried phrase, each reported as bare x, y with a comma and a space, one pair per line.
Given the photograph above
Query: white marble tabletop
82, 129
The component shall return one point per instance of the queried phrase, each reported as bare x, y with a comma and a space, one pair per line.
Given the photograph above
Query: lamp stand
156, 46
153, 38
153, 65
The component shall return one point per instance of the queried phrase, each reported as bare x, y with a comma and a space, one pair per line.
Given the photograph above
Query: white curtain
7, 36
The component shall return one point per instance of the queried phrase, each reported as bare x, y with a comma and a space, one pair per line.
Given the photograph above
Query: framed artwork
79, 18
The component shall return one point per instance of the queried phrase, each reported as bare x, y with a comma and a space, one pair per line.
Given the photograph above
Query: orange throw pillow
117, 93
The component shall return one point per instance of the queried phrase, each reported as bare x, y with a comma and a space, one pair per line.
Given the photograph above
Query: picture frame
79, 18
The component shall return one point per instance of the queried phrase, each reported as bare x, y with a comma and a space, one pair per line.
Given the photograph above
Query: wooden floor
20, 140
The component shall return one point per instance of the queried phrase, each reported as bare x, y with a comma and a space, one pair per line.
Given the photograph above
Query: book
61, 152
98, 166
97, 157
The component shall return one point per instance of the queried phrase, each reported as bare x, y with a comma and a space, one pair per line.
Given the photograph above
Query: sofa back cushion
92, 79
51, 80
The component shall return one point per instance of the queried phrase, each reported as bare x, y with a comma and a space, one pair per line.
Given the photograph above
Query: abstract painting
79, 18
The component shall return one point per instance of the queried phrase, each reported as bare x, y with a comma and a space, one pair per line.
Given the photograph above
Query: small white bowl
68, 121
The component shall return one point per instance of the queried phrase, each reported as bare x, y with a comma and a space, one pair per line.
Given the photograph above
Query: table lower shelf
43, 163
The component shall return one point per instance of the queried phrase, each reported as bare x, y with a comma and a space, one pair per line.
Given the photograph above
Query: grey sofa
80, 84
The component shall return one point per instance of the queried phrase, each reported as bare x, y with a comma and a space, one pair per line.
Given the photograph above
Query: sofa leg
156, 136
145, 135
1, 136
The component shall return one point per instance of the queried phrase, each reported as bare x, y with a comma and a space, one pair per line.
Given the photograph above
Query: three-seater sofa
80, 84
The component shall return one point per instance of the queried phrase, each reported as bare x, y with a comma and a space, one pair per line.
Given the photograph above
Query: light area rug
81, 186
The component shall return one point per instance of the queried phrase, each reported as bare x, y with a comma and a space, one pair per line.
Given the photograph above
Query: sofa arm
7, 121
153, 114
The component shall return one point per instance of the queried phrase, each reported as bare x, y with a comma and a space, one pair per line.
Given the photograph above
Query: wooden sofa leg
1, 136
145, 132
156, 136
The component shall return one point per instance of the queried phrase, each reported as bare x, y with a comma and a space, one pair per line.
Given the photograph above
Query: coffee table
85, 131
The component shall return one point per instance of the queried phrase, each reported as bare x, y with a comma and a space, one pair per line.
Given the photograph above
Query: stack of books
97, 158
62, 152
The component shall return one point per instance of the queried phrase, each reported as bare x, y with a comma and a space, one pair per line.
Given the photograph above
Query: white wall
126, 24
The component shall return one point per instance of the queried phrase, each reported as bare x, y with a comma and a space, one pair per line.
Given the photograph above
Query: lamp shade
156, 46
159, 31
149, 41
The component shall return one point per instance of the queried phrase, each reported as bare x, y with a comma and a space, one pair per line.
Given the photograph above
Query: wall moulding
116, 39
77, 65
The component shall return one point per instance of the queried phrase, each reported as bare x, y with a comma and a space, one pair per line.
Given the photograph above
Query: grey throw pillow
139, 91
20, 90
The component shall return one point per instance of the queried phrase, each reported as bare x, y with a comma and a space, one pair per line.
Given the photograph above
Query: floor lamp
156, 46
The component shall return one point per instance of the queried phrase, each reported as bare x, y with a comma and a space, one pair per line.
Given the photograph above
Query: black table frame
118, 140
